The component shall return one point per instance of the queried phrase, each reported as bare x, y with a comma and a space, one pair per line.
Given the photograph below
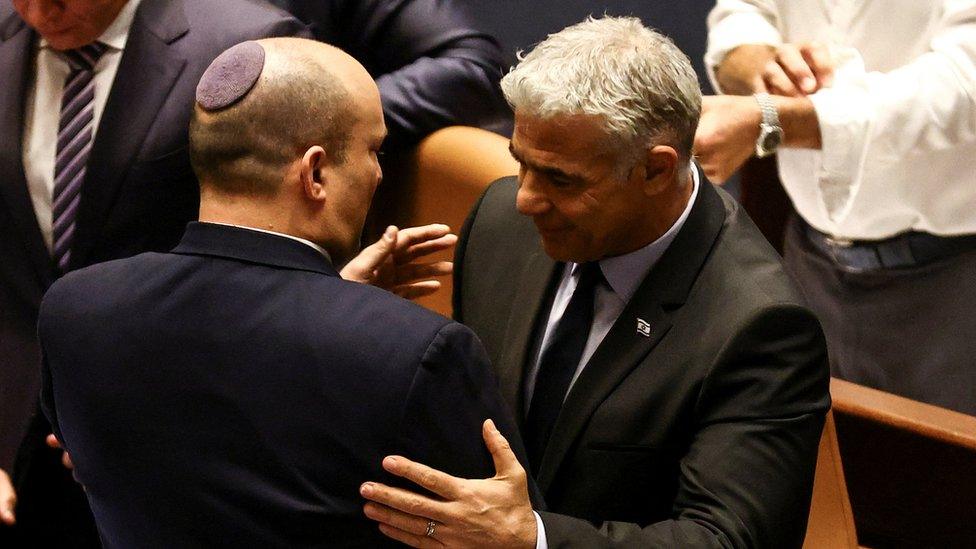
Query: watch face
771, 139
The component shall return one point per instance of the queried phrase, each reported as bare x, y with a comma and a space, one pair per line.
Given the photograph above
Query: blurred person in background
870, 107
94, 109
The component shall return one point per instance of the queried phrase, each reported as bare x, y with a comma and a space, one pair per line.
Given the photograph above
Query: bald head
261, 105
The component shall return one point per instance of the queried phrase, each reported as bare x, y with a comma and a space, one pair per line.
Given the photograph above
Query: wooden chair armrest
926, 420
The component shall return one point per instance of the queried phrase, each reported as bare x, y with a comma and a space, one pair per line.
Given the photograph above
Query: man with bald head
236, 391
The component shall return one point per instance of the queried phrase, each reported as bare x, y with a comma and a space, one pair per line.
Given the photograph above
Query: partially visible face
69, 24
355, 180
585, 204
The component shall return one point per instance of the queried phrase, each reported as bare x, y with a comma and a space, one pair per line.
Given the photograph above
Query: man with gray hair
669, 385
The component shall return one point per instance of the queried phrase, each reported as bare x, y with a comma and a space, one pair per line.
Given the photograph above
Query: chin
561, 252
63, 42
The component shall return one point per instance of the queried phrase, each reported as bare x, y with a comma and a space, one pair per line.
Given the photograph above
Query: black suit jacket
236, 392
434, 64
703, 434
139, 190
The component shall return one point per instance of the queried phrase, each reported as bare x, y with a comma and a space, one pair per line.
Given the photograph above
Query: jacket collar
262, 248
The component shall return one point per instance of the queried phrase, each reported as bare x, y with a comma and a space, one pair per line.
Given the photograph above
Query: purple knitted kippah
231, 75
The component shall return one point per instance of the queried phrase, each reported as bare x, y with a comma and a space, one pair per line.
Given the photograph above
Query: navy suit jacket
139, 190
236, 392
435, 65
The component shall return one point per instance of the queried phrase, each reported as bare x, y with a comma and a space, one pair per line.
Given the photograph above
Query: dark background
518, 24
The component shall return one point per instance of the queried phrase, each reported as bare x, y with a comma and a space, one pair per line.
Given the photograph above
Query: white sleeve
871, 120
732, 23
540, 541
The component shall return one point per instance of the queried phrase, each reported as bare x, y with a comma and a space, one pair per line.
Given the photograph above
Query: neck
671, 203
258, 213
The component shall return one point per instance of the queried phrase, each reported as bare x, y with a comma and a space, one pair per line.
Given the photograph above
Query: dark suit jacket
236, 392
139, 190
703, 434
434, 64
138, 195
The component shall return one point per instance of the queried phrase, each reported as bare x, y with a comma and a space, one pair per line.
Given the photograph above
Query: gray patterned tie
74, 144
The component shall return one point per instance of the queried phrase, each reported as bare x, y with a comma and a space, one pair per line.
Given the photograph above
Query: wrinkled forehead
231, 76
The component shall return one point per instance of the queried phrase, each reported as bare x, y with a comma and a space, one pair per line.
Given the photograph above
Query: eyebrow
548, 170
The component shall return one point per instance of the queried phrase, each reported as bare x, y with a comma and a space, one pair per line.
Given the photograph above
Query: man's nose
530, 199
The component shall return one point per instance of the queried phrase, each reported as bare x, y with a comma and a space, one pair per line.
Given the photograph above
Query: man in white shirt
872, 107
94, 108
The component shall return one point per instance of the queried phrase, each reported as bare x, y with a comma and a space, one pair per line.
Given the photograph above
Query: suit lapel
533, 285
661, 293
148, 69
16, 57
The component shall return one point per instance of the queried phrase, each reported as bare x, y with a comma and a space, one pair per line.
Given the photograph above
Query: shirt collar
309, 243
117, 34
624, 273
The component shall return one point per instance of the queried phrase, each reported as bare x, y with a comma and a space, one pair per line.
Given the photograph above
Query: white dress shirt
623, 275
43, 110
899, 123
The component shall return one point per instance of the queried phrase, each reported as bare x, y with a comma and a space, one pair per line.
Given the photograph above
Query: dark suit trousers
908, 331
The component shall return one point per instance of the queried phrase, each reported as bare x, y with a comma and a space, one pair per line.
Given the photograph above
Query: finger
66, 460
506, 464
413, 235
818, 58
361, 267
404, 500
415, 272
417, 289
407, 538
52, 441
397, 519
8, 500
7, 514
777, 82
440, 483
796, 68
406, 255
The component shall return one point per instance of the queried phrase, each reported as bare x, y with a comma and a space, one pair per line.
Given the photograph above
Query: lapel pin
643, 328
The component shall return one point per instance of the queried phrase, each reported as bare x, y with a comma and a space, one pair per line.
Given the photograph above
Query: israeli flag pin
643, 328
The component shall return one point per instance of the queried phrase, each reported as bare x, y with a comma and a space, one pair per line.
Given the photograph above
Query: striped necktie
74, 145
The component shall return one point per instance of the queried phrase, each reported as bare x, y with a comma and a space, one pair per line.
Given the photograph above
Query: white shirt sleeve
732, 23
872, 120
540, 539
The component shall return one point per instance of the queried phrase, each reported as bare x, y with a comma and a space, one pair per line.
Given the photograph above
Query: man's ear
660, 165
313, 173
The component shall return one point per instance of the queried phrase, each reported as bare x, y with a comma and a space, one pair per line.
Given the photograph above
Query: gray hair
633, 77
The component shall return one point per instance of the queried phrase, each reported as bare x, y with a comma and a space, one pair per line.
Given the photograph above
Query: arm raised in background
434, 65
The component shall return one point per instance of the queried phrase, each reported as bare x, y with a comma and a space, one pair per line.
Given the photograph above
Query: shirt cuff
728, 31
540, 536
845, 113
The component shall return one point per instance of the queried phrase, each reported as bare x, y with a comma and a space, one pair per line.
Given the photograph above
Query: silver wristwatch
770, 132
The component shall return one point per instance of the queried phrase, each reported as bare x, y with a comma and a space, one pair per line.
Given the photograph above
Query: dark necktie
558, 363
74, 144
